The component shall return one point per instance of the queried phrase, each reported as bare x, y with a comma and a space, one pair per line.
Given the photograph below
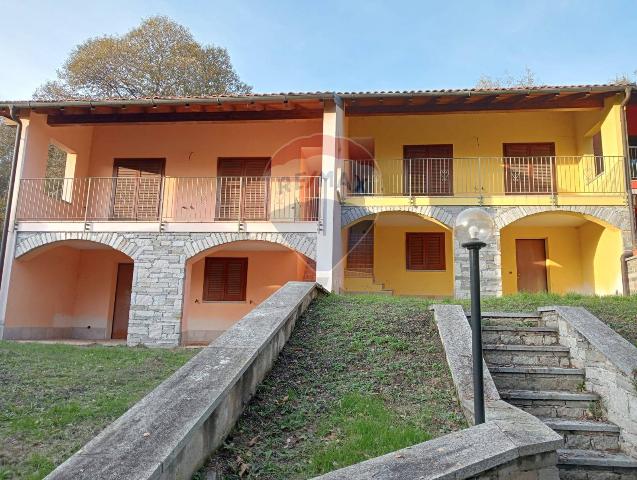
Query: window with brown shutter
425, 251
529, 168
428, 169
136, 188
225, 279
243, 188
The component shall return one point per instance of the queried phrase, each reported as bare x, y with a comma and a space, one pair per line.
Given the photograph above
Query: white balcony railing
170, 199
482, 176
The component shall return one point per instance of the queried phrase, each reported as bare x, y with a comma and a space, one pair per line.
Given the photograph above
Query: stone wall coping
145, 441
619, 351
461, 454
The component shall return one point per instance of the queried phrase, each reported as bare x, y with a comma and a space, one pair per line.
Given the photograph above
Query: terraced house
164, 220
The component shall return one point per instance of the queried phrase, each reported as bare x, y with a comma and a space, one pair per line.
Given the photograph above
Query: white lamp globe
474, 224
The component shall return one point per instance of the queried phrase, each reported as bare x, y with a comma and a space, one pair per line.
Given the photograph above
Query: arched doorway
224, 283
74, 289
561, 252
399, 253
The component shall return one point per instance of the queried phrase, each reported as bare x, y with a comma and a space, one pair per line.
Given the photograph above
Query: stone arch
610, 215
28, 242
617, 217
444, 216
304, 243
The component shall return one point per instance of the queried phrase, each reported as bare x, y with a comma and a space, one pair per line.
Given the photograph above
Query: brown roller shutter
225, 279
425, 251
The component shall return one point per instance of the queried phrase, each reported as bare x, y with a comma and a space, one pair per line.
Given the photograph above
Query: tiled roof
323, 94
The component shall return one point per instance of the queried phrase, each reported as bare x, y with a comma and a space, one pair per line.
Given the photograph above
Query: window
425, 251
59, 173
598, 153
225, 279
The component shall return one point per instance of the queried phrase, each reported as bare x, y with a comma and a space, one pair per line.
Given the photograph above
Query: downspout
5, 227
629, 191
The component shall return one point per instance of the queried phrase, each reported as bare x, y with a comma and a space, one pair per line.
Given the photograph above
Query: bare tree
526, 79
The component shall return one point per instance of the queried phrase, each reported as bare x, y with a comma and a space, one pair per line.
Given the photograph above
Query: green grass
361, 376
54, 398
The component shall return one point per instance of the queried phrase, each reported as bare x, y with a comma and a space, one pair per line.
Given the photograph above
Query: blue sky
298, 45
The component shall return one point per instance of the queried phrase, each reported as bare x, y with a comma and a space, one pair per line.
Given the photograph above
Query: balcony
170, 199
488, 180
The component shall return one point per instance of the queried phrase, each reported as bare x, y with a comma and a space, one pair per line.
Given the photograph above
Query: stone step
551, 403
527, 355
591, 465
524, 319
514, 335
586, 434
538, 378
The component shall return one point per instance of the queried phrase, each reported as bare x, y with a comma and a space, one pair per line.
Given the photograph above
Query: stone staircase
533, 372
361, 285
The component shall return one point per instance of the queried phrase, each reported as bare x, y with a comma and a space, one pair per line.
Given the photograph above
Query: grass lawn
54, 398
360, 376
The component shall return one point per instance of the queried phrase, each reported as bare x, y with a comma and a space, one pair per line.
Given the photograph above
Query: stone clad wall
610, 362
159, 271
490, 257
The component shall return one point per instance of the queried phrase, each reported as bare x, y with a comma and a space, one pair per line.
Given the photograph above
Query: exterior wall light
474, 228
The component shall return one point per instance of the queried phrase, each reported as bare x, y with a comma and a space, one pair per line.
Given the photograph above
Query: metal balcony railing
170, 199
486, 176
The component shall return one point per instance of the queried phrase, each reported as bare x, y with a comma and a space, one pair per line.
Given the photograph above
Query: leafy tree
526, 79
7, 139
158, 58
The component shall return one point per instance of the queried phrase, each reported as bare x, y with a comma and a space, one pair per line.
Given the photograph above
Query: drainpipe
5, 227
629, 190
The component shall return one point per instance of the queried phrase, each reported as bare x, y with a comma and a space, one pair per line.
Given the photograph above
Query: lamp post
474, 227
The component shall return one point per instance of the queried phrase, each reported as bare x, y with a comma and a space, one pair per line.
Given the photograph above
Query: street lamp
474, 227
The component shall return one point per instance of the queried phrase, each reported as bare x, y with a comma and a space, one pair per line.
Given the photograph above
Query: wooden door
529, 168
137, 188
360, 250
428, 169
122, 300
243, 188
531, 265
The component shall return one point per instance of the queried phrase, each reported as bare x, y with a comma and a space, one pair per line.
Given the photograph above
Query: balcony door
529, 168
428, 169
136, 189
243, 188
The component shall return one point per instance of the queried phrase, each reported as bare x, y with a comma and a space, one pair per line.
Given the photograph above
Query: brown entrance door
531, 265
137, 188
122, 300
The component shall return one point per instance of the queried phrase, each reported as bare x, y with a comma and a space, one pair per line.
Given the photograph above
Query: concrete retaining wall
171, 431
511, 444
610, 362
